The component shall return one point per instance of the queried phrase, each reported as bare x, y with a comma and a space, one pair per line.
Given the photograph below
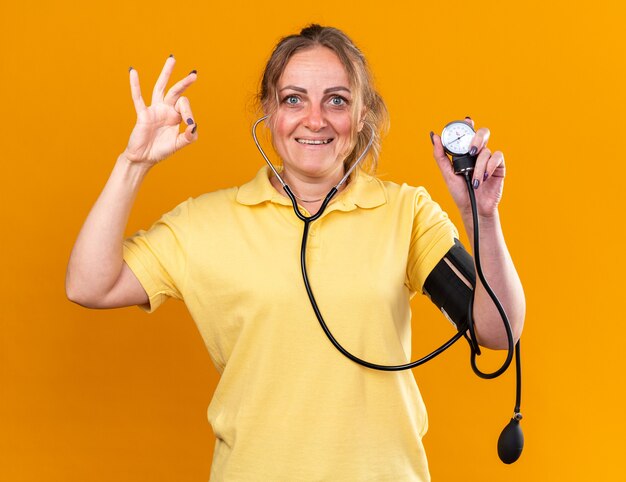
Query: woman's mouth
314, 142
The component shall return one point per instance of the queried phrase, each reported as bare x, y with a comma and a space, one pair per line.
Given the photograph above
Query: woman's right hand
156, 134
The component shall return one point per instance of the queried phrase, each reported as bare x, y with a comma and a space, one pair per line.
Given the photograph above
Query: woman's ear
362, 119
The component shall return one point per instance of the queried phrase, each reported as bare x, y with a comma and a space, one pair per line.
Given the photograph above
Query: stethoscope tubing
282, 182
474, 348
338, 345
507, 325
510, 443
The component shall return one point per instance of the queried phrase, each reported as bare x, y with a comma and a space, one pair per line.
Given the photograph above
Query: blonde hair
368, 107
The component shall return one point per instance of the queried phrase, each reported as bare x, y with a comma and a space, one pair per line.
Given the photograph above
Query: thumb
445, 166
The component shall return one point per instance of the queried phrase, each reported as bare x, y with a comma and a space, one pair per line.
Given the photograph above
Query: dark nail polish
189, 121
476, 183
473, 151
485, 176
130, 68
431, 138
193, 131
468, 117
171, 55
193, 72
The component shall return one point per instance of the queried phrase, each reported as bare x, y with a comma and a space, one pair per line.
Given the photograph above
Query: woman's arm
504, 281
97, 276
496, 262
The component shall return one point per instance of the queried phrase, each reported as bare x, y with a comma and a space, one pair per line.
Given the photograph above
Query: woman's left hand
487, 177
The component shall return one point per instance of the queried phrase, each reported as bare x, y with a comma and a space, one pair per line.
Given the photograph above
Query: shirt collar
364, 191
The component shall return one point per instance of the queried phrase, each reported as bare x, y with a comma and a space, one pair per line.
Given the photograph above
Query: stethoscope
511, 440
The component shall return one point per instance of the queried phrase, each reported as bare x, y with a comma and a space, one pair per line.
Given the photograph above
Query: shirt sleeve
158, 257
432, 235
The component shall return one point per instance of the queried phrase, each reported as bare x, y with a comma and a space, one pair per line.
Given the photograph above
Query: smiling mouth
314, 142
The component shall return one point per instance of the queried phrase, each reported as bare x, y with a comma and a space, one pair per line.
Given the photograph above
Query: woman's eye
338, 101
291, 100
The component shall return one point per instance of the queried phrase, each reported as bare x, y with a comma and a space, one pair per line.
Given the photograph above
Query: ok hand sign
156, 134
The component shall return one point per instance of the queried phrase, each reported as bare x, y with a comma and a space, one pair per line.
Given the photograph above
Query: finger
479, 141
159, 87
135, 91
480, 167
495, 166
469, 120
184, 108
179, 87
190, 134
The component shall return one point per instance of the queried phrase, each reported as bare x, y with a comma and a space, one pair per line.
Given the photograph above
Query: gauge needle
462, 135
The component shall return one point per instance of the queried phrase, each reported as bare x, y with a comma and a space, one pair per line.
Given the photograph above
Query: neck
311, 188
310, 192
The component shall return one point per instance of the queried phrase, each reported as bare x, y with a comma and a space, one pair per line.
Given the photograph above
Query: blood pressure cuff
447, 290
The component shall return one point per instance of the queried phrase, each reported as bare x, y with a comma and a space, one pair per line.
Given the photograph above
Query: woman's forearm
96, 259
500, 273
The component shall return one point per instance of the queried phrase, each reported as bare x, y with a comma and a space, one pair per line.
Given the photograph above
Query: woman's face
311, 129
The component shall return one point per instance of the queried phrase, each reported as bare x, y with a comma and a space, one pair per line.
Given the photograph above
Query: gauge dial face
456, 137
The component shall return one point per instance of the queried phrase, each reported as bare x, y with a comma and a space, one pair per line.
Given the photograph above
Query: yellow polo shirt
289, 406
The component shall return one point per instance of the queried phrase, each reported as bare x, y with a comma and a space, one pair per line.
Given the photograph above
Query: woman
289, 406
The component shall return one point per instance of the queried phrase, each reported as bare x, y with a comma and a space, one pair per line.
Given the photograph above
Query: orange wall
121, 395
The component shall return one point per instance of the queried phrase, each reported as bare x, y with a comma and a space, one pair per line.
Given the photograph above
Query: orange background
121, 395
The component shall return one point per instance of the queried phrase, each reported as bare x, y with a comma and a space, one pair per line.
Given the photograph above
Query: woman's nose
314, 118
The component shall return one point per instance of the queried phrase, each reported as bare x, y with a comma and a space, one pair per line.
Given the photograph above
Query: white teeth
314, 142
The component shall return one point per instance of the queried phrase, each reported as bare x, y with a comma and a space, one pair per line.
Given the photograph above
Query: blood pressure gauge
456, 138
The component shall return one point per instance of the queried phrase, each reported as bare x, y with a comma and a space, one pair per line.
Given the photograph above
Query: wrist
132, 167
129, 172
486, 221
489, 220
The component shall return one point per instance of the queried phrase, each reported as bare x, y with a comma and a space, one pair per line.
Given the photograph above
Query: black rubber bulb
511, 441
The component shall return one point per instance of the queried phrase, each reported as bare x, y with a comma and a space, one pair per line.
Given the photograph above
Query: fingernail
485, 176
189, 121
193, 131
171, 55
468, 117
431, 138
130, 68
476, 183
473, 151
193, 72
